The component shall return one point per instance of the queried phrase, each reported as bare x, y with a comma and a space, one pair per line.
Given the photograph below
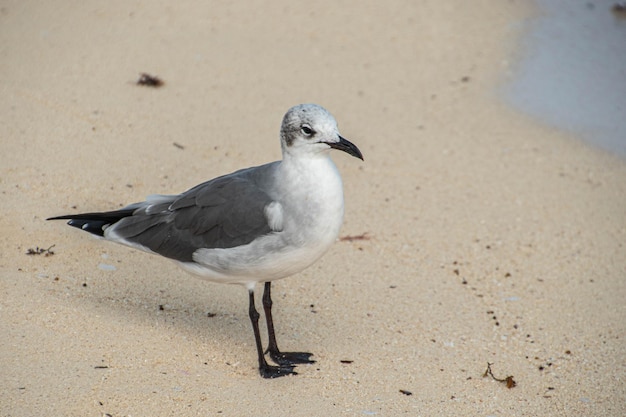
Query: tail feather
95, 223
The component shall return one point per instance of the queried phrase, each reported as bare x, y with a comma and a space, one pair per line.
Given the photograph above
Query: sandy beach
472, 233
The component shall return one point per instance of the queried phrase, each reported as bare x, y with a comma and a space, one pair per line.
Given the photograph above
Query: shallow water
572, 74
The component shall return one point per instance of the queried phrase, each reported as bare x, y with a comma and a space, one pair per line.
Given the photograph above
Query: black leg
281, 358
266, 371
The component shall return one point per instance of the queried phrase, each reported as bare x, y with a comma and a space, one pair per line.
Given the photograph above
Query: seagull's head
311, 129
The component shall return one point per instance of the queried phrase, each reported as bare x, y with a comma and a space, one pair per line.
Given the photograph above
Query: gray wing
225, 212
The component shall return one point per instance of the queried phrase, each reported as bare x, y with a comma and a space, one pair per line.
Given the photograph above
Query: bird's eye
306, 130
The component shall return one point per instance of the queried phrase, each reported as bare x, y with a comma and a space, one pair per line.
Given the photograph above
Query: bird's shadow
156, 293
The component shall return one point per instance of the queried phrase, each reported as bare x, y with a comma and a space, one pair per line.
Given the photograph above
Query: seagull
254, 225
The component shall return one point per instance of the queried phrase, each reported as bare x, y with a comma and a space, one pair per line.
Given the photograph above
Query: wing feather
225, 212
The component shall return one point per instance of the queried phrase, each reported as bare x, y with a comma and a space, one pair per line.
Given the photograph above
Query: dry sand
490, 238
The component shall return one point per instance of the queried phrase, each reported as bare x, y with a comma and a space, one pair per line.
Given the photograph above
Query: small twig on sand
508, 381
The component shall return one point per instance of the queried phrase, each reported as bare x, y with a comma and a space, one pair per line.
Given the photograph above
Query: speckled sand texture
488, 238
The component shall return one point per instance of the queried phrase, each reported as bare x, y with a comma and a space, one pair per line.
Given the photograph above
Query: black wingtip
92, 226
94, 223
95, 227
66, 217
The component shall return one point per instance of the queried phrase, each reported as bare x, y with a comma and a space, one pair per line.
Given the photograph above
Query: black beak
346, 146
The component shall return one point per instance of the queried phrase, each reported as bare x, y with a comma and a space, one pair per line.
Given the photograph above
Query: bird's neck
314, 185
315, 174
